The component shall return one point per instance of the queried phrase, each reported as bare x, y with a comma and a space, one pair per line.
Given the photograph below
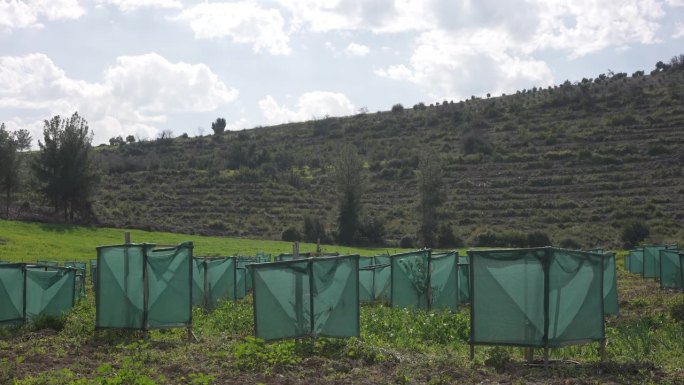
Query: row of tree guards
533, 298
664, 263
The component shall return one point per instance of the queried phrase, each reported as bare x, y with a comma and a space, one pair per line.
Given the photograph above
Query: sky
137, 67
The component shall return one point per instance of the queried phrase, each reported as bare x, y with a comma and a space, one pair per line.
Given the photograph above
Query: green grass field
29, 242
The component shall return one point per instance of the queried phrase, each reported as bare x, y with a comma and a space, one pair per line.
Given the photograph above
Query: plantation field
397, 346
29, 242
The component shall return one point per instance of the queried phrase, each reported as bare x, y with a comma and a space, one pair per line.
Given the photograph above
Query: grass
29, 242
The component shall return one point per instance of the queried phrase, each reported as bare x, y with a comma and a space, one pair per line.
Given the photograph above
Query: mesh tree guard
240, 282
540, 297
410, 280
214, 279
374, 278
651, 261
80, 276
444, 281
138, 287
423, 281
610, 293
93, 271
636, 260
671, 269
463, 280
306, 298
28, 291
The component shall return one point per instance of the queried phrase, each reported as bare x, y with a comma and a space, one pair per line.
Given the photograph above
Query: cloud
244, 22
675, 3
133, 97
679, 32
583, 27
310, 105
133, 5
376, 16
354, 49
454, 65
16, 14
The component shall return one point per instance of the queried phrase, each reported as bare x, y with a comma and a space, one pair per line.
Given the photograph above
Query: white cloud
244, 22
454, 65
675, 3
310, 105
132, 5
354, 49
376, 16
134, 95
679, 33
586, 26
29, 13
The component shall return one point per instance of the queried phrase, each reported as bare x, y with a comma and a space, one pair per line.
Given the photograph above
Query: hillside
574, 161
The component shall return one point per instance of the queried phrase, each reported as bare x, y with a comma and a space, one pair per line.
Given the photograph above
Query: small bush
372, 230
498, 358
397, 108
569, 243
291, 235
538, 239
633, 233
447, 239
406, 242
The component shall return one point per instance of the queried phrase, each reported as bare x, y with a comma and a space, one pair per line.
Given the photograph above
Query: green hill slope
575, 161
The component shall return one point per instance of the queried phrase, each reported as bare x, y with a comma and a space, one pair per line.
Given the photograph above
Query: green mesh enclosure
651, 261
240, 282
93, 271
11, 293
463, 280
49, 291
244, 263
29, 291
625, 261
263, 257
410, 279
671, 269
138, 287
444, 281
542, 297
290, 257
80, 276
311, 297
610, 293
214, 279
366, 278
48, 263
636, 260
374, 279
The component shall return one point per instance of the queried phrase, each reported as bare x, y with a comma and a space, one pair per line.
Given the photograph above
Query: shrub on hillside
446, 238
290, 235
372, 230
406, 242
314, 230
633, 233
538, 239
569, 243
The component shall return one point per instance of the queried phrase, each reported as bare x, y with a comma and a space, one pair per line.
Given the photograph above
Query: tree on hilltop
219, 126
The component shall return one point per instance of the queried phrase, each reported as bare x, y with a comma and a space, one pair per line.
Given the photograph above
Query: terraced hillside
575, 161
